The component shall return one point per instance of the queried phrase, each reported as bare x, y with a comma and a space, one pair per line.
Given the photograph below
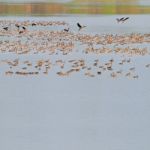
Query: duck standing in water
66, 30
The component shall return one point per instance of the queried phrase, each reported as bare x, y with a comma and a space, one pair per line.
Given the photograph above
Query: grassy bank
70, 8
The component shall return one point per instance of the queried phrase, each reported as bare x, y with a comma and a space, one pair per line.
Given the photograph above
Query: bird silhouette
5, 28
33, 24
125, 19
120, 19
66, 30
24, 28
80, 26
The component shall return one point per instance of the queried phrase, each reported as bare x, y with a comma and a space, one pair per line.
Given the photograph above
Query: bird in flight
5, 28
123, 19
120, 19
80, 26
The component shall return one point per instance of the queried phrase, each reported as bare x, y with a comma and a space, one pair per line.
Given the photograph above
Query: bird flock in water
37, 48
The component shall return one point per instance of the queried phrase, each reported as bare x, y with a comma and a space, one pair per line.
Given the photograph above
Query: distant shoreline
46, 8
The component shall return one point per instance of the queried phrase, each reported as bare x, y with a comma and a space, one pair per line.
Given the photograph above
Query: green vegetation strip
70, 8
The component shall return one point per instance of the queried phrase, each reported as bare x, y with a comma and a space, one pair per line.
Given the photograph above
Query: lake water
78, 112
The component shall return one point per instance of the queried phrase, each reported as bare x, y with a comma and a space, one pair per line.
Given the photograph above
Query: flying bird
120, 19
125, 19
5, 28
80, 26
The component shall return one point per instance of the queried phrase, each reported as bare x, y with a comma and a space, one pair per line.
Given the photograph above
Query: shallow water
77, 112
103, 24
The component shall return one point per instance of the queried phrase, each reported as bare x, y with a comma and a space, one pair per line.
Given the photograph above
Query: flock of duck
46, 47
